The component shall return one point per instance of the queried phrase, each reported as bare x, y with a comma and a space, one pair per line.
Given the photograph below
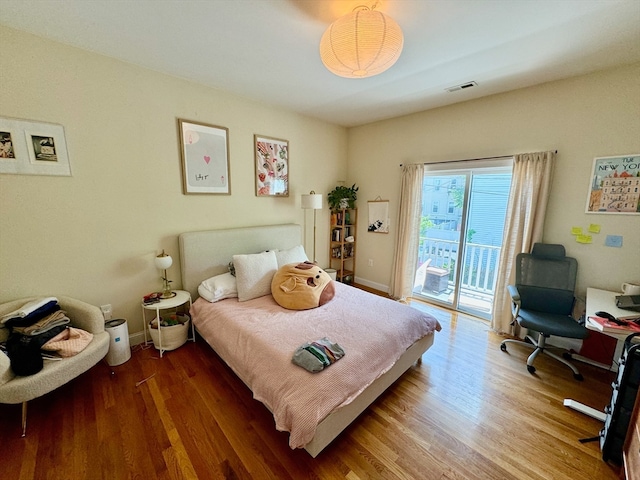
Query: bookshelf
342, 252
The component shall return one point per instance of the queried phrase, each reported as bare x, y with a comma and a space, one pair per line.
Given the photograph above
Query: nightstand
180, 299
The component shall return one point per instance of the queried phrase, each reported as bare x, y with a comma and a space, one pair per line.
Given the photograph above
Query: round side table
180, 298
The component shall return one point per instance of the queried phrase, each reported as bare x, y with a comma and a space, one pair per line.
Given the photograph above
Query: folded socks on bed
316, 356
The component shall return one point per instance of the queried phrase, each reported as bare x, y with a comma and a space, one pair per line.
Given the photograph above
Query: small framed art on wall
272, 166
33, 148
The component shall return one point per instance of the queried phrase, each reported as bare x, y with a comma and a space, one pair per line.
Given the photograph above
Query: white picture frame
378, 216
33, 148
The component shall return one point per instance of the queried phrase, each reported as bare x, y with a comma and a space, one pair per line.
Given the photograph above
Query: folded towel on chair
45, 324
28, 308
69, 342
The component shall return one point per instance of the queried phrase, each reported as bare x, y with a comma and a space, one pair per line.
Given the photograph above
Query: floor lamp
311, 201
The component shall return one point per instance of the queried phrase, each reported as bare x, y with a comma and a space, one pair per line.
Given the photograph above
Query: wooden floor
469, 411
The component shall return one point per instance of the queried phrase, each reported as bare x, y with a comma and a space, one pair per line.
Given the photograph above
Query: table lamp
164, 261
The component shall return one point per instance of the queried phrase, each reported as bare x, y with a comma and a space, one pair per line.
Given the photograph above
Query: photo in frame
33, 148
615, 185
378, 216
272, 166
205, 158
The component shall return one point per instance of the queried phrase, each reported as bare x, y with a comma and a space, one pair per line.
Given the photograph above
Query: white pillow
219, 287
254, 274
293, 255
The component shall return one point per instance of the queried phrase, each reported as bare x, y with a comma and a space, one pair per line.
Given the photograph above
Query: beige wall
94, 235
583, 117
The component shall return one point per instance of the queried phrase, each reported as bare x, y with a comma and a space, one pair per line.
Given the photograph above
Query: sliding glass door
462, 223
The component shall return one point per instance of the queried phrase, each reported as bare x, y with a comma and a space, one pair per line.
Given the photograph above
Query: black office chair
543, 299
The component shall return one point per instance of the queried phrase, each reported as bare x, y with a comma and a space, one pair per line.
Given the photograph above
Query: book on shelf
604, 325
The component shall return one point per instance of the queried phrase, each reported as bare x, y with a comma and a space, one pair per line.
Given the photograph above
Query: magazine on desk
626, 324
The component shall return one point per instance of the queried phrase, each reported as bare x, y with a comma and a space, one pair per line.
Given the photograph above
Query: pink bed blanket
257, 339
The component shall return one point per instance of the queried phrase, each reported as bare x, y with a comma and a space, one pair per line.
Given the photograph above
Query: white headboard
208, 253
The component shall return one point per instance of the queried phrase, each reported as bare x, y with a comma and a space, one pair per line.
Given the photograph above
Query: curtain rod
468, 160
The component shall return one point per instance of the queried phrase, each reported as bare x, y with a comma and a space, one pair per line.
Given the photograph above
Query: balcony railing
479, 272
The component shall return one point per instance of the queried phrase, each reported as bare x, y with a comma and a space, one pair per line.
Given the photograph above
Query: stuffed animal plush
301, 286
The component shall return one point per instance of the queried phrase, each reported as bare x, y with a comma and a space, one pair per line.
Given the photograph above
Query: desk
603, 300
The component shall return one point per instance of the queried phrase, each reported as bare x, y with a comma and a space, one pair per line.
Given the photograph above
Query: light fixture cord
364, 7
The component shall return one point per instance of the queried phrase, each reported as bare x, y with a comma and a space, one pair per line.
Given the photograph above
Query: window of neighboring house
437, 184
451, 207
435, 206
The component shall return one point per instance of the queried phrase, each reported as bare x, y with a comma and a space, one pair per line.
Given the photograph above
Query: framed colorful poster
33, 148
272, 166
615, 185
205, 158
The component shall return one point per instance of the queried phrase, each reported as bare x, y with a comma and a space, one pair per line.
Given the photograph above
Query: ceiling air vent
461, 87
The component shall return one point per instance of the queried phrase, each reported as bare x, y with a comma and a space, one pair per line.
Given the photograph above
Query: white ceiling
267, 50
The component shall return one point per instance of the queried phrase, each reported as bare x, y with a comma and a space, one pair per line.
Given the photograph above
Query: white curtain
530, 184
406, 255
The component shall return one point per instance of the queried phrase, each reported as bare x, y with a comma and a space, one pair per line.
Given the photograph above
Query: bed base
329, 428
207, 253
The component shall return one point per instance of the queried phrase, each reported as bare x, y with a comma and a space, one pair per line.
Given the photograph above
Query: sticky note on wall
576, 230
594, 228
613, 241
584, 239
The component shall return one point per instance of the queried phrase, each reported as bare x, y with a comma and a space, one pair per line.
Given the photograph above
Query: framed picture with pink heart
205, 158
272, 166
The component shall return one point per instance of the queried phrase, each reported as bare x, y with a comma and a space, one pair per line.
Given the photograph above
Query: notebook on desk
628, 302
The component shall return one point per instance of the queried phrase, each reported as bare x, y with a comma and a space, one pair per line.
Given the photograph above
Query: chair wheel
531, 369
578, 376
503, 347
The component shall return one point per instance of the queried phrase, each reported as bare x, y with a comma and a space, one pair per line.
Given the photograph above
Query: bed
256, 338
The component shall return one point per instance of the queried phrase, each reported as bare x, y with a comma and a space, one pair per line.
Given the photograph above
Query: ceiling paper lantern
361, 44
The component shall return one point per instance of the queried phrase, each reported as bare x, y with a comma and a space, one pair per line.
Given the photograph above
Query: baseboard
370, 284
136, 338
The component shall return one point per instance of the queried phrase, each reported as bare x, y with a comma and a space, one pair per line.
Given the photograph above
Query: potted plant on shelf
342, 197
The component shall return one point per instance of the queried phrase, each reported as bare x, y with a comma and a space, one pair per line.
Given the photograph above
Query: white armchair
16, 389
